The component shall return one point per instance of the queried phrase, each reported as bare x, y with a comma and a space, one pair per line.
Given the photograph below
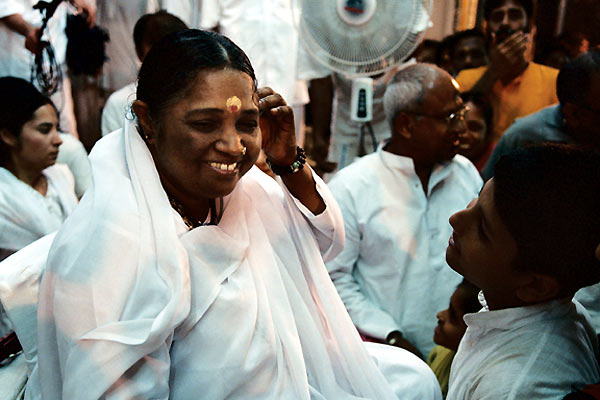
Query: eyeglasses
456, 116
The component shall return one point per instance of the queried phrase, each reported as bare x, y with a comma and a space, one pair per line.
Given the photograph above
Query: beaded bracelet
294, 167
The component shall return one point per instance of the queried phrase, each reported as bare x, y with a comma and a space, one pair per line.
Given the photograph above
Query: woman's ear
141, 111
8, 138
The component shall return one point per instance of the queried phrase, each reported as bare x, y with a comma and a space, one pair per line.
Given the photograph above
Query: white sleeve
368, 317
11, 7
328, 226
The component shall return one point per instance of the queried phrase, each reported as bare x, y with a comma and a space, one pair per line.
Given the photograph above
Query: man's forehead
443, 95
506, 4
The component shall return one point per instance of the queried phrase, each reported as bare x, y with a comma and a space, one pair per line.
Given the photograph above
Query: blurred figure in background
476, 143
272, 49
148, 30
468, 50
514, 85
574, 120
21, 38
119, 18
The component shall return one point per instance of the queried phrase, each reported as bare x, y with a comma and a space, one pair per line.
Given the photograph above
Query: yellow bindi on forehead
233, 104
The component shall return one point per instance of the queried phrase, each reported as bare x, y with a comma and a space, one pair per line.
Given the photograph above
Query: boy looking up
529, 243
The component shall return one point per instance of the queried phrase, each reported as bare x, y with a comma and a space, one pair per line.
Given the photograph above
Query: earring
244, 150
143, 134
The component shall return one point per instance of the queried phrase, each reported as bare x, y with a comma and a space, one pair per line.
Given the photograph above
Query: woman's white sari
133, 305
26, 215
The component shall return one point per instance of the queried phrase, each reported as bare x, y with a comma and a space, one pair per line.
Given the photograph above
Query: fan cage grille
385, 40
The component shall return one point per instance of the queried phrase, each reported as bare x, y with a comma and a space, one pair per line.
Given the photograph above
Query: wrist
393, 338
289, 168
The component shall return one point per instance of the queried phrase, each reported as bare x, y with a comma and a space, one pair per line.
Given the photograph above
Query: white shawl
129, 306
24, 212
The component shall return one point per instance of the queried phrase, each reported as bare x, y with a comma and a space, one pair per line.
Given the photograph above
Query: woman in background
475, 143
36, 195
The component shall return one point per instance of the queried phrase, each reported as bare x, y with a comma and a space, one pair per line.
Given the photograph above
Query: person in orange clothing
515, 86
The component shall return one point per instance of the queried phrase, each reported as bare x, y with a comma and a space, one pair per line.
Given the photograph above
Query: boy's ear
538, 288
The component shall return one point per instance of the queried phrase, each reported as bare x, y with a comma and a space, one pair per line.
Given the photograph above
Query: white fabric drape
132, 304
26, 215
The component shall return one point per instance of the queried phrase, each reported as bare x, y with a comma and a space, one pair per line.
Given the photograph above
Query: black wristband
294, 167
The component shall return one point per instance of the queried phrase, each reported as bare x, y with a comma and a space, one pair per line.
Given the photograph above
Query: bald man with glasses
392, 274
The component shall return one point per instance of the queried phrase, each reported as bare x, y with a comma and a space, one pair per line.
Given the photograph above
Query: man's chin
452, 263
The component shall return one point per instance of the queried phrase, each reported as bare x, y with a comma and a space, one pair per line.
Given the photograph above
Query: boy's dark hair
548, 198
574, 80
470, 301
150, 28
490, 5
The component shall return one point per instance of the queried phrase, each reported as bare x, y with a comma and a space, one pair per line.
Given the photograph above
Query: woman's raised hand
277, 127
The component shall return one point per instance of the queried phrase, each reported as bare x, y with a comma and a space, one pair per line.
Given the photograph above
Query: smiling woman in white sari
188, 273
36, 195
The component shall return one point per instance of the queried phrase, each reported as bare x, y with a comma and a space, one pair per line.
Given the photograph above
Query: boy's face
482, 250
451, 327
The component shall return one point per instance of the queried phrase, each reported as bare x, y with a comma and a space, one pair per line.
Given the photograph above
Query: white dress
134, 304
26, 215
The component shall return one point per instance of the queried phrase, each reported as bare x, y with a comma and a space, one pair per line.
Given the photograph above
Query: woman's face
37, 146
199, 142
473, 141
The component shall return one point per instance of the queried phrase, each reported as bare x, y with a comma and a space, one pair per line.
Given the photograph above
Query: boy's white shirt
542, 351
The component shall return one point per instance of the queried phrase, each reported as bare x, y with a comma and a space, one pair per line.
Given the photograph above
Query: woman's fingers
269, 99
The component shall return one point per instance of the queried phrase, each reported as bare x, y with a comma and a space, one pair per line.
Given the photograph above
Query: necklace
191, 223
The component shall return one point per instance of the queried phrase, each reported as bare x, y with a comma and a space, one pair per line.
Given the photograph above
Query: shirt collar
511, 318
406, 164
395, 161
